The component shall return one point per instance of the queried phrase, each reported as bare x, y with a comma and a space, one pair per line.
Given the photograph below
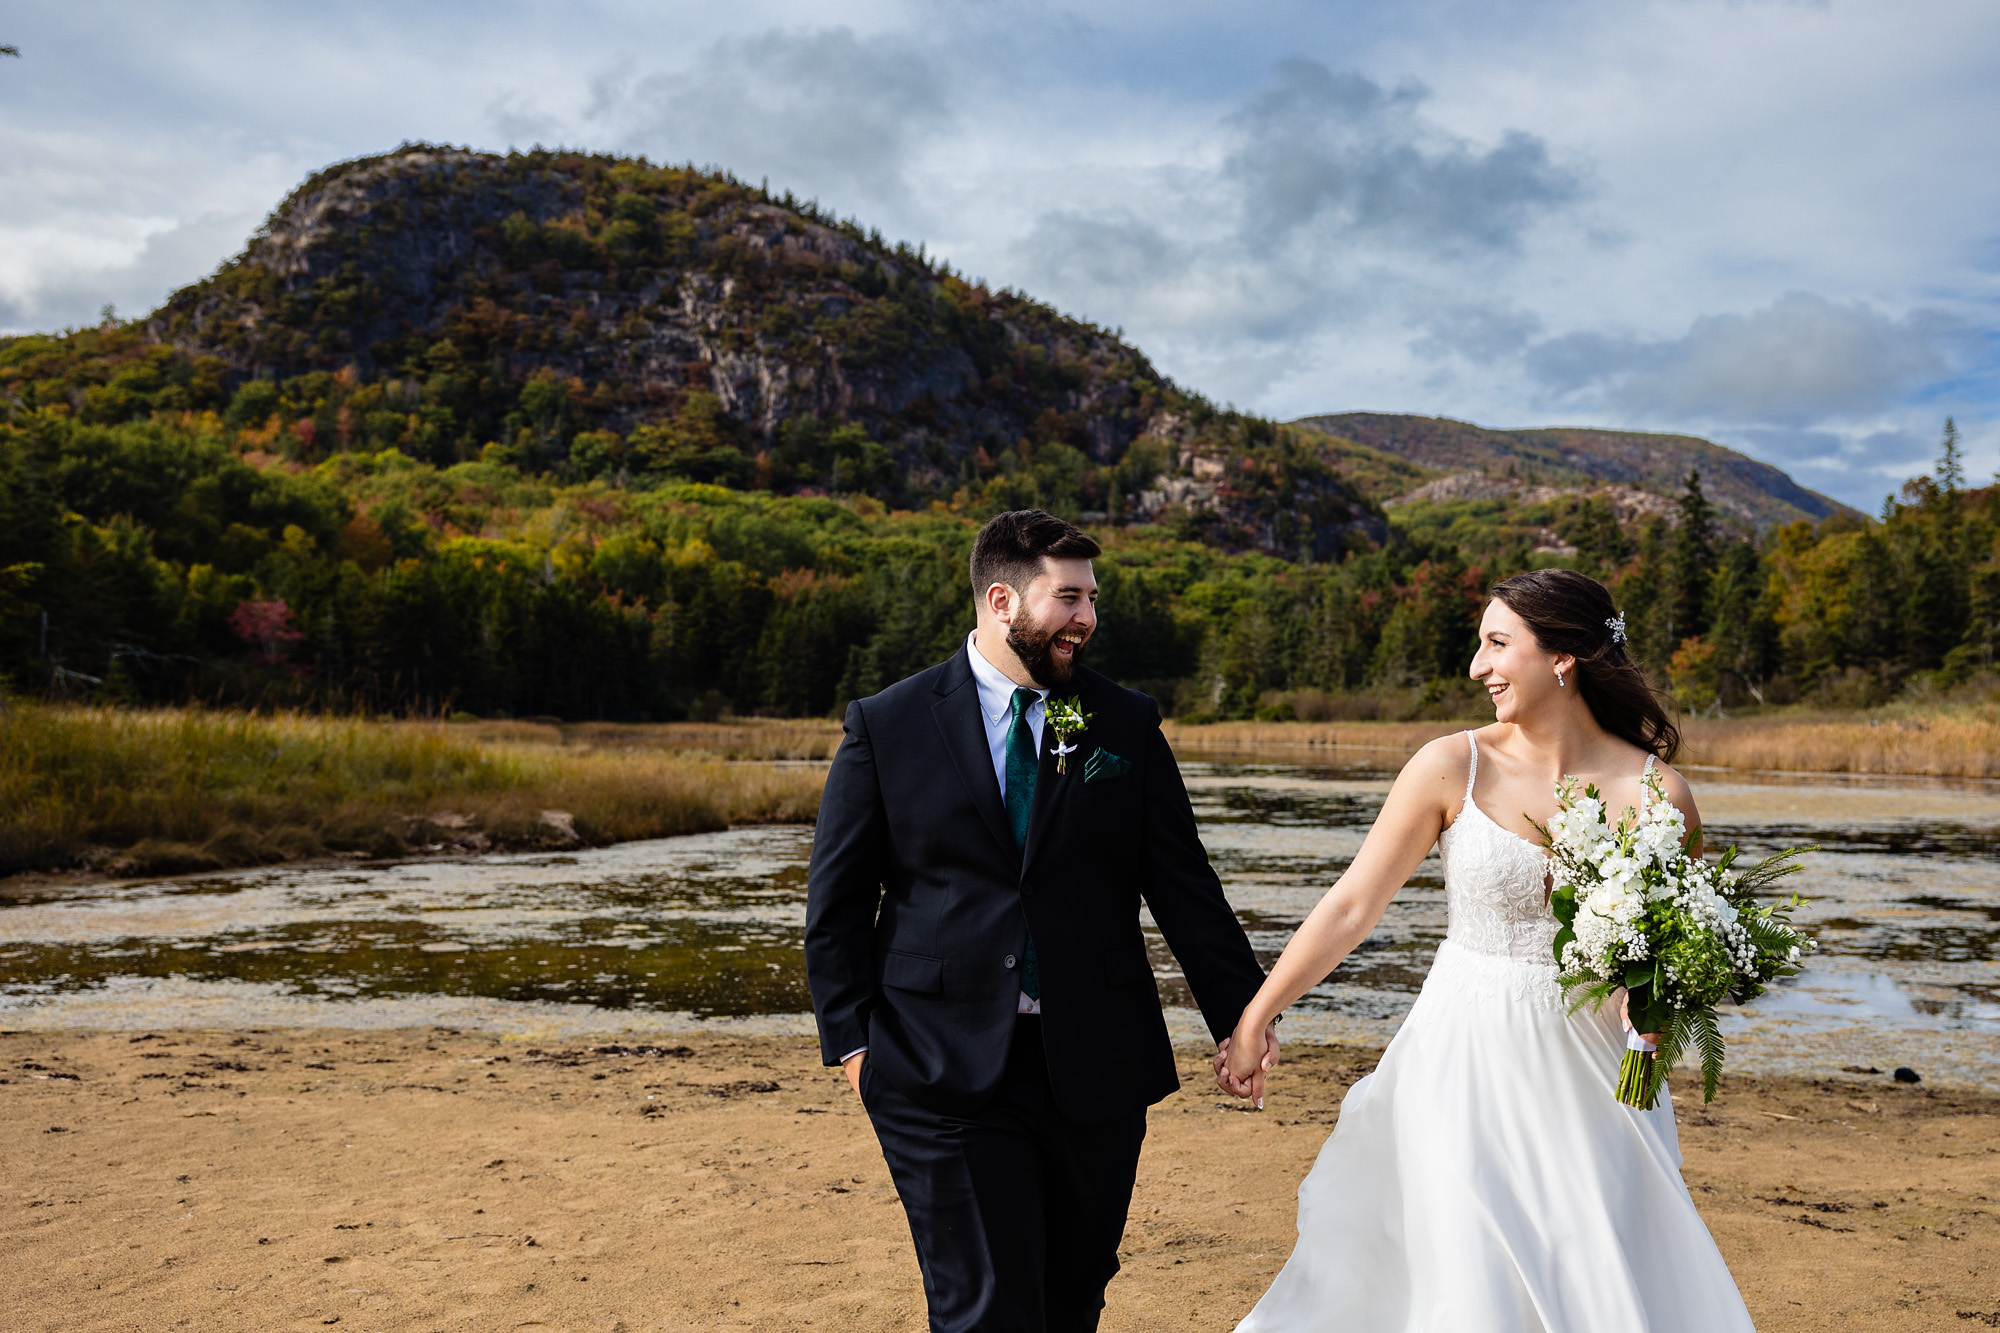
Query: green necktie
1021, 765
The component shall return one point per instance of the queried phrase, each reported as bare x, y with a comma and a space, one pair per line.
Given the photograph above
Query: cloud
1340, 154
1893, 450
168, 258
1482, 333
1321, 200
519, 119
1800, 360
1114, 250
825, 110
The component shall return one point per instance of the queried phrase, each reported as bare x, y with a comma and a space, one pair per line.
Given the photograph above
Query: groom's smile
1055, 615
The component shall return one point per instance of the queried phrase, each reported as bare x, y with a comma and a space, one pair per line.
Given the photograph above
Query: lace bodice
1496, 884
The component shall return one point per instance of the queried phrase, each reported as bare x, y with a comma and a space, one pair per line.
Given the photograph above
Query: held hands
1240, 1064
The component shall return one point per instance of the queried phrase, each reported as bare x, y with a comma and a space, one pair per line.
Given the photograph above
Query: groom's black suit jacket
919, 905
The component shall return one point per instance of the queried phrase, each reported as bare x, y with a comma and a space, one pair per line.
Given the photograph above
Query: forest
170, 559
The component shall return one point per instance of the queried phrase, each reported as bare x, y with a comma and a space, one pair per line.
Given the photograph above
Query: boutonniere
1067, 718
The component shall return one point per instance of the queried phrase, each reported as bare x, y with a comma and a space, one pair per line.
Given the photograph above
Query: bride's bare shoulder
1439, 769
1677, 789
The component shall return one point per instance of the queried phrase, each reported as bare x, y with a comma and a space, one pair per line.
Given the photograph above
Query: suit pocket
1103, 766
1122, 967
913, 972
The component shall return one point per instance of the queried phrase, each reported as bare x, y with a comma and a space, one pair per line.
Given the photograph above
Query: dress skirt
1485, 1177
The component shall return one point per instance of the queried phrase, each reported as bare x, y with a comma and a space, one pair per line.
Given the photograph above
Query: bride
1485, 1177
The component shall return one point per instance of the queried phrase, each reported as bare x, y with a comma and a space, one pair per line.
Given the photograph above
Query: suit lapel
956, 711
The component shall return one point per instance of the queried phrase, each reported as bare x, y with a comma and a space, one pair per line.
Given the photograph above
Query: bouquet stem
1635, 1080
1638, 1080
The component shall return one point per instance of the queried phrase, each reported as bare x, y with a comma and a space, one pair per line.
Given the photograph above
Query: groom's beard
1031, 644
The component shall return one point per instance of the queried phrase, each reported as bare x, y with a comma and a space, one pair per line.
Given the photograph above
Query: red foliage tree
266, 627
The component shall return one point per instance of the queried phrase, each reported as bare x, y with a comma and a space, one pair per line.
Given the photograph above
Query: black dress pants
1016, 1211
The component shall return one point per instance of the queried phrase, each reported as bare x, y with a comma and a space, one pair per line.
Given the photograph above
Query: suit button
1008, 962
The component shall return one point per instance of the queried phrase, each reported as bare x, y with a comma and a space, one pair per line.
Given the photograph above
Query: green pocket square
1103, 764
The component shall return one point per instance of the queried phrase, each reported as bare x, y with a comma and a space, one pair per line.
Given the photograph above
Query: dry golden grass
1945, 744
161, 791
1959, 743
1397, 738
741, 738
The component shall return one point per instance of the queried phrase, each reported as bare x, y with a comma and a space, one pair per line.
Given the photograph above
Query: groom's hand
851, 1066
1243, 1075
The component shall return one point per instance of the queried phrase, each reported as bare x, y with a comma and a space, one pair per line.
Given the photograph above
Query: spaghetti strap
1472, 773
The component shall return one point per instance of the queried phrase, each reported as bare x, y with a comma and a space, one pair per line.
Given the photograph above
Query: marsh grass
1386, 738
1954, 742
176, 790
742, 738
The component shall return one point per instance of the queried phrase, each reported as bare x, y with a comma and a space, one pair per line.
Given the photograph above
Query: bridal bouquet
1638, 909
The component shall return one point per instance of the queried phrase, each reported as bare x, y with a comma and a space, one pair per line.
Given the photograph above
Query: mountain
1756, 495
583, 316
590, 315
442, 439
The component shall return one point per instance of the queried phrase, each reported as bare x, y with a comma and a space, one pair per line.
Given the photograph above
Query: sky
1774, 224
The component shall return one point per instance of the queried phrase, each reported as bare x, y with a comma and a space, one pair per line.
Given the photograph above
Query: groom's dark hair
1010, 548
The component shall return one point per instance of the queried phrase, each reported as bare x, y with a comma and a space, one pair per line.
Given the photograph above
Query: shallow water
1905, 894
704, 931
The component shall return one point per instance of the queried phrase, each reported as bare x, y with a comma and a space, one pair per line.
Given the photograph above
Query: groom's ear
999, 602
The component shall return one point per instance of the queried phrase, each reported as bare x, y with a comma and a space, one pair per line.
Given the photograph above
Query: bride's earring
1559, 679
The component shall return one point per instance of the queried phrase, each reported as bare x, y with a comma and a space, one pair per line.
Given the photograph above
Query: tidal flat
702, 933
420, 1179
577, 1086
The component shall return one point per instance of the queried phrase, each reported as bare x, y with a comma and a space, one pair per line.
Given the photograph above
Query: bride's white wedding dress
1484, 1177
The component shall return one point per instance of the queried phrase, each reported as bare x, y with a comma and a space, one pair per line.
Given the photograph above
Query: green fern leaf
1708, 1037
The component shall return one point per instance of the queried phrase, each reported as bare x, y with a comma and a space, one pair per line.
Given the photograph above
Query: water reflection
704, 929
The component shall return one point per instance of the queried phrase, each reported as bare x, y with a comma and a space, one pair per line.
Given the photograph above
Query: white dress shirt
996, 711
996, 707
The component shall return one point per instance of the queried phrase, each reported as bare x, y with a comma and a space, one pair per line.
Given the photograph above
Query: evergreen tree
1644, 597
1691, 562
1951, 462
1601, 545
1872, 627
1744, 628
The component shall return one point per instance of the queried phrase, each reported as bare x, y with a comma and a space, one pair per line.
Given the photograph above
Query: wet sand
438, 1180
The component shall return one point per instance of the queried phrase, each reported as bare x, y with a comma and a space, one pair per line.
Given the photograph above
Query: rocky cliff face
645, 284
578, 309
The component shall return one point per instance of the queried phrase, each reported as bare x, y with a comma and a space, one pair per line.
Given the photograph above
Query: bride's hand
1242, 1061
1625, 1017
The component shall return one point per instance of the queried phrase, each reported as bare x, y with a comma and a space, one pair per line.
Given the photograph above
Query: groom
974, 948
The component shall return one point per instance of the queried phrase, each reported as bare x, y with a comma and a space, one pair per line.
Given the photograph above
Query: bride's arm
1426, 791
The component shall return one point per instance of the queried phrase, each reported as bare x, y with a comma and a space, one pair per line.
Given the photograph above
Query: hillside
599, 316
1753, 494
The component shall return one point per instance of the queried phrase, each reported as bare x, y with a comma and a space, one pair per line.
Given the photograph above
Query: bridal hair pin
1617, 627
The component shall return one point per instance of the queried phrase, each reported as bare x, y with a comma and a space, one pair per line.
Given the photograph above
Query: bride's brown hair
1572, 613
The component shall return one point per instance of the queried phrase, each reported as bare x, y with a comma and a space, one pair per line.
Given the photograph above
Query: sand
442, 1180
